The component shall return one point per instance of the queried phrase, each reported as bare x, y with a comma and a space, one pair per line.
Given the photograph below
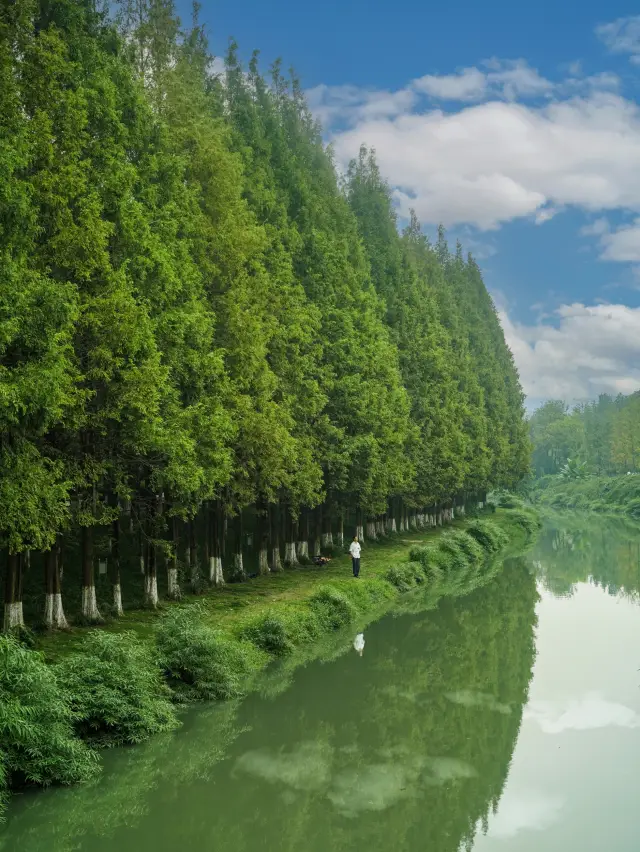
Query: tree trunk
340, 533
290, 555
371, 530
115, 568
216, 577
327, 534
359, 525
303, 542
173, 584
274, 524
262, 538
13, 616
238, 574
194, 568
151, 577
90, 610
54, 616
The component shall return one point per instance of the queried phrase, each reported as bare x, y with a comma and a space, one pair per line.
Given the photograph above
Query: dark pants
356, 566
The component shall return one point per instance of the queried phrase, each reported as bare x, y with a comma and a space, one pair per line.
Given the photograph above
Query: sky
515, 125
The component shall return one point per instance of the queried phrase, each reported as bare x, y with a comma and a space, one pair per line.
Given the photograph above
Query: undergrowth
199, 661
116, 690
38, 744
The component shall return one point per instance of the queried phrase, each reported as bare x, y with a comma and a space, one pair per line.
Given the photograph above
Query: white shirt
354, 550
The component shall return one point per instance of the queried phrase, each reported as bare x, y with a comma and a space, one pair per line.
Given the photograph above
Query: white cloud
623, 244
590, 350
494, 162
622, 36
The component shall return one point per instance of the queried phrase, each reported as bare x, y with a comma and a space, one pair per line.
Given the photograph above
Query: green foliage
618, 494
115, 690
200, 662
333, 608
406, 576
39, 745
487, 534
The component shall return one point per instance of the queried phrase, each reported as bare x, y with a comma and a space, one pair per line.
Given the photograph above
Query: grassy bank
618, 495
121, 683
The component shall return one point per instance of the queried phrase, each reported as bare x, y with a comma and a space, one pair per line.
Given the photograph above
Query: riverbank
619, 495
121, 683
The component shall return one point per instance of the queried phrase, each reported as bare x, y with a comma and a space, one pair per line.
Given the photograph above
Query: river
506, 720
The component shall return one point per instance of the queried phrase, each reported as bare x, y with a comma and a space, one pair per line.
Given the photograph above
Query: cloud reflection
586, 714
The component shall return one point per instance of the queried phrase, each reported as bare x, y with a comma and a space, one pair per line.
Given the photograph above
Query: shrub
116, 690
406, 575
470, 546
201, 662
450, 557
332, 608
39, 745
527, 520
488, 535
269, 633
423, 555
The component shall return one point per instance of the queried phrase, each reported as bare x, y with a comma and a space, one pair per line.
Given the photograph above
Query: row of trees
600, 437
200, 318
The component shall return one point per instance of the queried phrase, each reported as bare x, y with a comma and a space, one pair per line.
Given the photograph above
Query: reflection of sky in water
585, 714
358, 787
467, 698
572, 785
524, 810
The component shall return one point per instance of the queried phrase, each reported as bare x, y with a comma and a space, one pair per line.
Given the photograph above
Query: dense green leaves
115, 690
36, 724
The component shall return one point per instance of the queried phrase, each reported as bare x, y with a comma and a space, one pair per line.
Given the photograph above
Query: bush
488, 535
201, 662
39, 745
469, 545
423, 555
332, 608
116, 690
406, 575
527, 520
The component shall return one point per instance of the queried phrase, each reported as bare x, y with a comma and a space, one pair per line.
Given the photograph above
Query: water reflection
408, 749
358, 643
576, 548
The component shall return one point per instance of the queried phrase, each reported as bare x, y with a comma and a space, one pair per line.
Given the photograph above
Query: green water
506, 720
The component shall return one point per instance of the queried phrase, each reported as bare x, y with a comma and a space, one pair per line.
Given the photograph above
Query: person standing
354, 550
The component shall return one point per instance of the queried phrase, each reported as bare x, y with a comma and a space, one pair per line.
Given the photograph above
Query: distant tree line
600, 437
200, 319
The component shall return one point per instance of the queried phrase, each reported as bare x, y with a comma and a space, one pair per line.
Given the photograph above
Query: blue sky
515, 124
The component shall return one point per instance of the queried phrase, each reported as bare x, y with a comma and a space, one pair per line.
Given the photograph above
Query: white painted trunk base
339, 539
13, 617
263, 561
392, 526
151, 591
380, 530
238, 567
216, 575
276, 562
54, 613
360, 532
90, 609
327, 539
480, 504
371, 530
117, 599
173, 587
317, 547
413, 521
303, 549
290, 556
